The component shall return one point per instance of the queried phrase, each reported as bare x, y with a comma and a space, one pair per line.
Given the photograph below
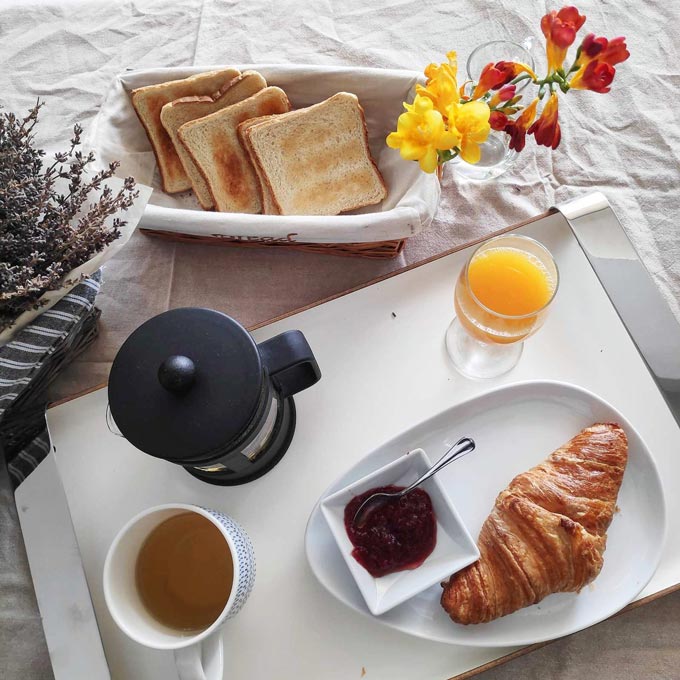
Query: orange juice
509, 281
503, 296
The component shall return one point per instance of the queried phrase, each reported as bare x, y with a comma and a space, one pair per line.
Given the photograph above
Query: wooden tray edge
77, 395
407, 268
532, 648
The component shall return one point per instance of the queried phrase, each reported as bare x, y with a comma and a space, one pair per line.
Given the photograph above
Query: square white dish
117, 134
453, 551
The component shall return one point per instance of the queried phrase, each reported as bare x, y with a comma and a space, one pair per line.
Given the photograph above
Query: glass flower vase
499, 50
496, 154
496, 158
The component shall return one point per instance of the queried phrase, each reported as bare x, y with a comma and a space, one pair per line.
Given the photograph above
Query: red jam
397, 535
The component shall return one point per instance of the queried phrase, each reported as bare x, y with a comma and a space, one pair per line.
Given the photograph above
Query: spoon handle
461, 448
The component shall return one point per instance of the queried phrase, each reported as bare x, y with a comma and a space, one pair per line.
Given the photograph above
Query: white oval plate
515, 427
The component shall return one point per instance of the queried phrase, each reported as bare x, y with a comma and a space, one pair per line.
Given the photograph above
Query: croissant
547, 531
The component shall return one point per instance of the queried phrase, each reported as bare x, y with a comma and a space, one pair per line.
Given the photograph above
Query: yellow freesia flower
442, 84
471, 121
421, 132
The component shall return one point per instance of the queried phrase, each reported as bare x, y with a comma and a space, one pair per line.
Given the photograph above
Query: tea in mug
184, 572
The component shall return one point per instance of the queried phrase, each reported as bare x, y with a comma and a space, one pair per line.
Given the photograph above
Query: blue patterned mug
198, 655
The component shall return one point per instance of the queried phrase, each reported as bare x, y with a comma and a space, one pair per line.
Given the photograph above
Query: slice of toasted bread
180, 111
316, 160
148, 102
268, 205
214, 146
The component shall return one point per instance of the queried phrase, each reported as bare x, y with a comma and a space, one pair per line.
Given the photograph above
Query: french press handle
290, 362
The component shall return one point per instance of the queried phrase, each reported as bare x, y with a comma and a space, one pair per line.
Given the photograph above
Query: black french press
190, 386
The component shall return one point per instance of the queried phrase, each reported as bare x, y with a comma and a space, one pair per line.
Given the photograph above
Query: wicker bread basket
375, 231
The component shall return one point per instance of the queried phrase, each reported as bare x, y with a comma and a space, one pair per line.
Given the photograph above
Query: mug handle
202, 661
290, 362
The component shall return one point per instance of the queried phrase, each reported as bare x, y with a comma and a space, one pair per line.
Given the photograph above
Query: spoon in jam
461, 448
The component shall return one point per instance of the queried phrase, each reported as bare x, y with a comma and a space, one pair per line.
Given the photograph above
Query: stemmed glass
486, 338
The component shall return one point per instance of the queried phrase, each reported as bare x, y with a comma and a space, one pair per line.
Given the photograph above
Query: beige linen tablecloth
625, 144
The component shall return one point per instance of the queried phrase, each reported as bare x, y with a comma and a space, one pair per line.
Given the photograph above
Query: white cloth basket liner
117, 134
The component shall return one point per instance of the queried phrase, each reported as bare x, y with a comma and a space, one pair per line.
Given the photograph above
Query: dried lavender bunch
44, 233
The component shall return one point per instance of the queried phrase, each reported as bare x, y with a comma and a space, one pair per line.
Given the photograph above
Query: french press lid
185, 384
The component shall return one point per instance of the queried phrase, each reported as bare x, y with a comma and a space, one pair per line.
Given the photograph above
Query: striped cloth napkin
30, 362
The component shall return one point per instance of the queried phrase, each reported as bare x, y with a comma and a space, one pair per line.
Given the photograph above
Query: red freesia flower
560, 30
596, 76
503, 95
546, 130
517, 129
498, 120
495, 76
518, 135
596, 62
615, 52
511, 69
561, 27
489, 78
506, 92
610, 52
592, 46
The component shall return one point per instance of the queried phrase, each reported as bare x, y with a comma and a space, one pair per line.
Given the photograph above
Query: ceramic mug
198, 656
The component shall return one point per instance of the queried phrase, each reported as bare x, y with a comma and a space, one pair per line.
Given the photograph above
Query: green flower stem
520, 78
557, 79
446, 155
575, 66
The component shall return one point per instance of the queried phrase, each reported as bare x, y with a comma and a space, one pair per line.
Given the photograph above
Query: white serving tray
381, 351
117, 134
